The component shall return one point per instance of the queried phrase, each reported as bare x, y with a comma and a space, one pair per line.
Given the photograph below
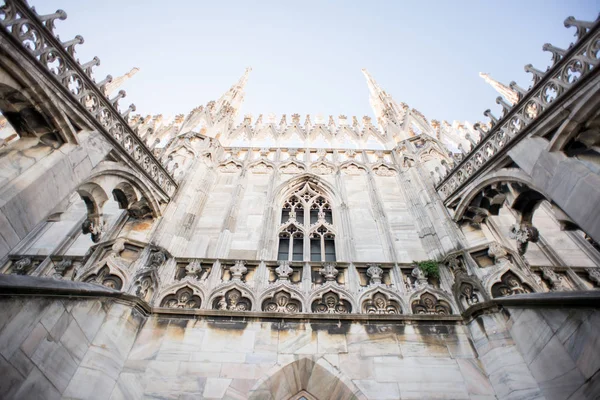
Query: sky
307, 55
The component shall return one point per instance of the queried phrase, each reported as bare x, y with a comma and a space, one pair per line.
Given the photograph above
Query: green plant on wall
430, 268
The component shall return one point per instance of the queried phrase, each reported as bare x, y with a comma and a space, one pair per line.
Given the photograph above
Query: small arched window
315, 225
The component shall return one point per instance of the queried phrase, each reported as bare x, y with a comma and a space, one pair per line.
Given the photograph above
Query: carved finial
87, 67
115, 100
537, 74
49, 19
582, 26
557, 54
70, 44
488, 113
505, 106
501, 88
520, 91
130, 109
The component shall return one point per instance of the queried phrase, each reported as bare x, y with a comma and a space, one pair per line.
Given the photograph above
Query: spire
119, 81
505, 91
233, 98
384, 106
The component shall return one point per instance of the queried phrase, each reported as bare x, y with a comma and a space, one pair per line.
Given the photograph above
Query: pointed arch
368, 298
468, 291
429, 300
322, 300
173, 289
313, 375
306, 206
232, 296
503, 276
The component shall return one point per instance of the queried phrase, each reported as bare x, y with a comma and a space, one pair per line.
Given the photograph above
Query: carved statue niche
282, 302
468, 296
232, 301
331, 303
509, 284
183, 298
105, 278
380, 304
144, 287
429, 304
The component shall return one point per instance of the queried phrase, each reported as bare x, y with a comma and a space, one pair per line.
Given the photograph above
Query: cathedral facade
214, 255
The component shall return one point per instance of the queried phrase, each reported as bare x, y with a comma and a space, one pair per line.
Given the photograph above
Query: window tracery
282, 302
183, 298
307, 235
232, 301
429, 304
105, 278
380, 304
509, 284
331, 303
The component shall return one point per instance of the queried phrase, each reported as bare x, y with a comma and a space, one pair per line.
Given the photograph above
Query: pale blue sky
307, 55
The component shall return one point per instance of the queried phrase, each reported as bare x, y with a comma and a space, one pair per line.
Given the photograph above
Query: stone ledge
17, 285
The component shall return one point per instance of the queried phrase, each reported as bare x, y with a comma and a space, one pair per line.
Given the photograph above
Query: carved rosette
232, 301
183, 298
429, 304
375, 273
380, 304
331, 303
282, 302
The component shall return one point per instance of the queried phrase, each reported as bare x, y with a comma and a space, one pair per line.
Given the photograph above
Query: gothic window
105, 278
306, 235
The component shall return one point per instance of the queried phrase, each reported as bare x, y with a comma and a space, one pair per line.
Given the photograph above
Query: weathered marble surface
103, 348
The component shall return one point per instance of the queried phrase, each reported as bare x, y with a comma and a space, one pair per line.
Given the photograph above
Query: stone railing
570, 68
35, 33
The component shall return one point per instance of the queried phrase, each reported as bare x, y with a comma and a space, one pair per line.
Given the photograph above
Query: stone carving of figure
157, 259
498, 253
555, 281
420, 278
21, 266
61, 267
